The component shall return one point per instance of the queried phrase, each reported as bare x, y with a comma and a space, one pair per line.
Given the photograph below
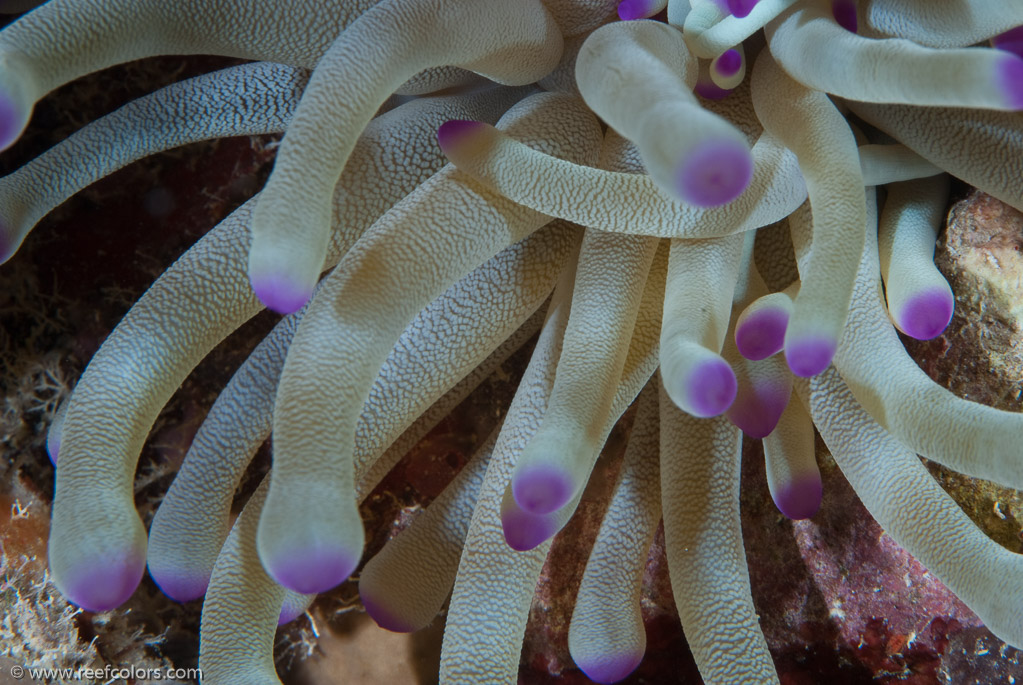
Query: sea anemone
616, 185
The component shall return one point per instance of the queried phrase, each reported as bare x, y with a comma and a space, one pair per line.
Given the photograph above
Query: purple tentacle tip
801, 498
12, 121
757, 412
844, 12
289, 612
741, 8
609, 668
102, 585
712, 388
53, 449
524, 531
729, 63
1010, 41
280, 293
633, 9
383, 615
810, 356
711, 91
714, 173
312, 571
542, 489
762, 333
453, 132
1010, 80
180, 585
927, 314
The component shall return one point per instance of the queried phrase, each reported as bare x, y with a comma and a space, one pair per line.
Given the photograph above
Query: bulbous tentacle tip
102, 584
741, 8
758, 412
13, 117
290, 611
1010, 41
312, 569
809, 356
762, 333
711, 388
629, 10
711, 91
180, 584
844, 12
729, 62
926, 315
524, 531
53, 447
542, 489
801, 498
454, 133
1010, 80
714, 173
608, 667
280, 293
383, 614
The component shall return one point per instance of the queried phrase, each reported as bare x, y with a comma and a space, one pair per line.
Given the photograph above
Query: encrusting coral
629, 242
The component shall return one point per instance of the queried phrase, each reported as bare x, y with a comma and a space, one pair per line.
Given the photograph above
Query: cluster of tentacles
629, 246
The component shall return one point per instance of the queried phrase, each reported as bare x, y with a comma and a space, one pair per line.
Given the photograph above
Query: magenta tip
711, 388
802, 498
729, 63
452, 132
313, 571
1010, 41
609, 668
628, 10
542, 489
757, 412
714, 173
280, 293
382, 615
762, 333
524, 531
741, 8
106, 584
844, 12
180, 585
12, 121
1010, 80
711, 91
810, 356
926, 315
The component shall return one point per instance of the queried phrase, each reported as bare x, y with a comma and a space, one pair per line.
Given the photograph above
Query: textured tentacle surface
245, 100
97, 545
241, 594
703, 541
830, 164
607, 638
513, 43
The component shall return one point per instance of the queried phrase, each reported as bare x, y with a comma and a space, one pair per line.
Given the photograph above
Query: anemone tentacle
982, 147
606, 636
901, 494
241, 593
920, 300
792, 474
609, 282
250, 99
692, 229
892, 70
155, 346
829, 163
514, 44
703, 542
892, 163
